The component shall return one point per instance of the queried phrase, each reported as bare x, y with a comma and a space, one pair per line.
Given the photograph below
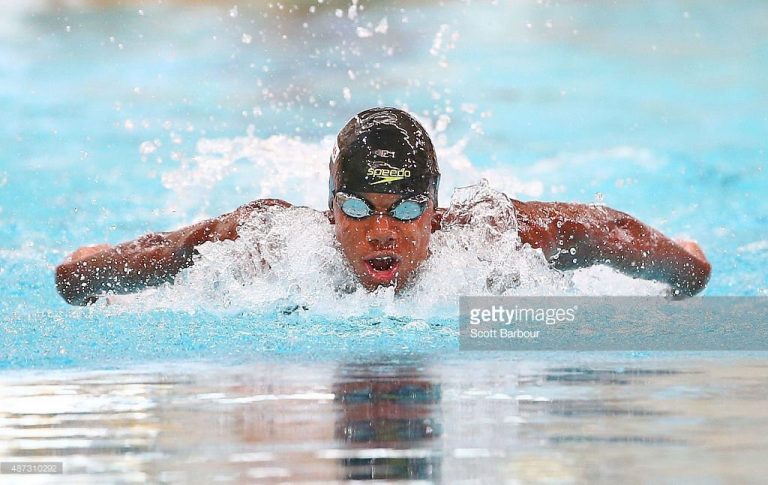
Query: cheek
348, 237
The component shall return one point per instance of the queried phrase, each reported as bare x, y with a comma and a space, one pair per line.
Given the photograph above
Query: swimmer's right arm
151, 260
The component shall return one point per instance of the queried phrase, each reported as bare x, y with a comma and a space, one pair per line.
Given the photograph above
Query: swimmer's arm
577, 235
151, 260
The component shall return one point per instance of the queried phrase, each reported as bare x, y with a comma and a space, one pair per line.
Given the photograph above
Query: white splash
299, 247
289, 259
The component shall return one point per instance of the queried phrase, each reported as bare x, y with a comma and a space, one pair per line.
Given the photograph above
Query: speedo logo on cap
384, 173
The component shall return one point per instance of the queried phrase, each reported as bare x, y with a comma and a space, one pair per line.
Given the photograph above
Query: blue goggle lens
357, 208
407, 210
403, 210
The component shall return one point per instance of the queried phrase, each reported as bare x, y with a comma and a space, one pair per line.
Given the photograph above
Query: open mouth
382, 268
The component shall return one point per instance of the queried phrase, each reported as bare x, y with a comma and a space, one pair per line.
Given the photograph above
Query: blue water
115, 120
656, 109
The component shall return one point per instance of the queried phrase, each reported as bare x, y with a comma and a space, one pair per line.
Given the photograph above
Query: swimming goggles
402, 210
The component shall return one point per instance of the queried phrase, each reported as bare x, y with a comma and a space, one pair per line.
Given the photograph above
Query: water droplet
147, 148
382, 27
442, 122
362, 32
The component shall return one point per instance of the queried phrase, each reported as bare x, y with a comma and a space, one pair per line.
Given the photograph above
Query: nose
381, 235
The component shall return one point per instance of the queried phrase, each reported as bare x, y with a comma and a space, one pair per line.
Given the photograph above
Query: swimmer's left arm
578, 235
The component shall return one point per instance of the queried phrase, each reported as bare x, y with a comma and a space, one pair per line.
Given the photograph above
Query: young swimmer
383, 205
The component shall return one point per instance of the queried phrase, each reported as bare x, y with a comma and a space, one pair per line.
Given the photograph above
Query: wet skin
381, 250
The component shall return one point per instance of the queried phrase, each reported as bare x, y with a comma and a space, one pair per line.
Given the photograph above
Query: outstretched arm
148, 261
577, 235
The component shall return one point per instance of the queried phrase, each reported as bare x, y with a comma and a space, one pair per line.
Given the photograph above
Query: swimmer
382, 202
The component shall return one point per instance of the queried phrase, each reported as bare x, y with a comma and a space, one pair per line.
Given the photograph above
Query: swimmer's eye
409, 209
354, 207
402, 210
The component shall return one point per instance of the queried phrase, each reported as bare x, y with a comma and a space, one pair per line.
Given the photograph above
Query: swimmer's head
384, 151
383, 195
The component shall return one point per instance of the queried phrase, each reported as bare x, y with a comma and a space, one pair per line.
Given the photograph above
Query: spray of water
287, 259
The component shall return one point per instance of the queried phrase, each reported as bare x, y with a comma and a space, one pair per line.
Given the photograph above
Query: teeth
382, 263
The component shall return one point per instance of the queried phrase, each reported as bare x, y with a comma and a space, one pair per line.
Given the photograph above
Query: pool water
121, 120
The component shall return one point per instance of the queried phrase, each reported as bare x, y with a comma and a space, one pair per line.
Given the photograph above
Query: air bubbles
246, 39
233, 12
347, 94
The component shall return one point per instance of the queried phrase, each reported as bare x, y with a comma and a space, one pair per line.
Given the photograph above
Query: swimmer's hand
679, 292
574, 236
693, 248
87, 251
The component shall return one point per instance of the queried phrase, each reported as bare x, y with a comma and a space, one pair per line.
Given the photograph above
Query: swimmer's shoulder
463, 214
254, 207
261, 204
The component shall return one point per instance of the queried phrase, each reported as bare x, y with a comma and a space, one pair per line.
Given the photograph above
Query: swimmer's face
382, 250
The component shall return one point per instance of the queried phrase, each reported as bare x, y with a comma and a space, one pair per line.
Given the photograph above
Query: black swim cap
384, 150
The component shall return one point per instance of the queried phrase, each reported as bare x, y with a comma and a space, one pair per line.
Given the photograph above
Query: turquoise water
117, 121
